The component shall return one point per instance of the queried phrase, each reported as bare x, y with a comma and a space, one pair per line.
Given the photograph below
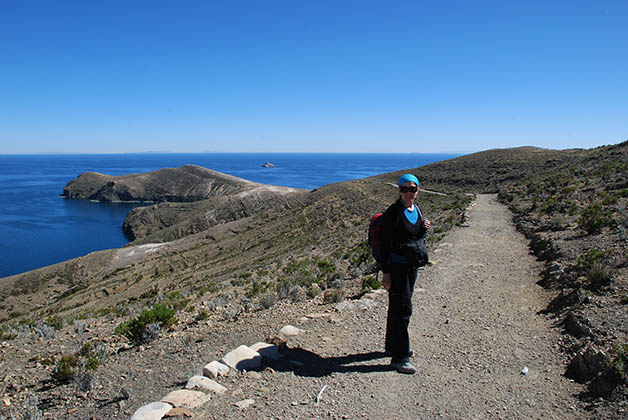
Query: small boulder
243, 358
290, 330
215, 369
205, 384
245, 403
268, 351
152, 411
186, 398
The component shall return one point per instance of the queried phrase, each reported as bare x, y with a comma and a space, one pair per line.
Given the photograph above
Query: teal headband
408, 178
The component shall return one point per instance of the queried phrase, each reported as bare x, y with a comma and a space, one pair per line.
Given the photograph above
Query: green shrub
70, 365
92, 359
370, 283
139, 329
6, 333
326, 267
66, 368
55, 322
610, 199
619, 360
550, 206
594, 218
360, 254
175, 301
256, 288
589, 258
202, 315
591, 264
238, 282
599, 275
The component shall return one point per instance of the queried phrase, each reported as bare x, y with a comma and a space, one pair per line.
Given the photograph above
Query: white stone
186, 398
268, 351
243, 358
344, 305
215, 369
245, 403
152, 411
289, 330
205, 384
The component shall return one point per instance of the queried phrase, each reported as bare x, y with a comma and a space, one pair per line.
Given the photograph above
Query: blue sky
311, 76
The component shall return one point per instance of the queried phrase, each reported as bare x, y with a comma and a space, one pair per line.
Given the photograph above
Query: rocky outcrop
184, 184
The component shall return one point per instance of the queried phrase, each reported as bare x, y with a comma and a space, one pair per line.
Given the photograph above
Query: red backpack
375, 237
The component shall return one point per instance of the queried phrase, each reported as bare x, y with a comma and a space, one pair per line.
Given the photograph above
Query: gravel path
475, 327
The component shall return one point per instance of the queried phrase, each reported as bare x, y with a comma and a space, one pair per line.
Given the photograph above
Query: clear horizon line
236, 153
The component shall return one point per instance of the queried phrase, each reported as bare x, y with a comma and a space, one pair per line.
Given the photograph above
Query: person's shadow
305, 363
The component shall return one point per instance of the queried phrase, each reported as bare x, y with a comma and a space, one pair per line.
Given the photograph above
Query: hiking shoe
403, 367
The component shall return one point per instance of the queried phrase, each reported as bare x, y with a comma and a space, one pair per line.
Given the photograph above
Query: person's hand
386, 282
427, 224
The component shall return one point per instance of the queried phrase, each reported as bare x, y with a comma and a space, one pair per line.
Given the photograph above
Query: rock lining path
476, 326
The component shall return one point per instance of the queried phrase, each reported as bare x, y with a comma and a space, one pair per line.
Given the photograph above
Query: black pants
403, 278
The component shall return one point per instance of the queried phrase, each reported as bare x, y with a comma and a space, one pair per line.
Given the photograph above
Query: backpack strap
420, 213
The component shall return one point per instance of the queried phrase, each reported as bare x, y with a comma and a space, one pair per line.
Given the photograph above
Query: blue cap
408, 178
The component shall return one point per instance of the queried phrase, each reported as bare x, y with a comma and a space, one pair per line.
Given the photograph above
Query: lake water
38, 228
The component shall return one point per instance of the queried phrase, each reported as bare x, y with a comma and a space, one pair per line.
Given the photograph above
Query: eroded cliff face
184, 184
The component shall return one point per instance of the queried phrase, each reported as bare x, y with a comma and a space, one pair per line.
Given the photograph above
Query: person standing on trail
403, 223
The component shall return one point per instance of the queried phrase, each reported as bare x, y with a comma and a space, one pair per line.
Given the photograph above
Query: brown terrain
483, 311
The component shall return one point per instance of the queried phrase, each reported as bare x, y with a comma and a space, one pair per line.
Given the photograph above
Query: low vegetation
69, 367
148, 325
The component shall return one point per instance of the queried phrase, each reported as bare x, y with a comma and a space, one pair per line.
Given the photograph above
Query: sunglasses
408, 189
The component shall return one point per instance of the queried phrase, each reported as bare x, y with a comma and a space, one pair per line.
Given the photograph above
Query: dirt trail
475, 327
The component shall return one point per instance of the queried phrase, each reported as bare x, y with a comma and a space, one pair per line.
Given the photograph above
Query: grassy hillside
277, 252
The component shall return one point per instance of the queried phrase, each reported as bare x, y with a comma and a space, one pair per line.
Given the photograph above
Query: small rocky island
268, 165
184, 184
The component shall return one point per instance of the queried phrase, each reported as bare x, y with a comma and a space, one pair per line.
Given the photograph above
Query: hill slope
237, 268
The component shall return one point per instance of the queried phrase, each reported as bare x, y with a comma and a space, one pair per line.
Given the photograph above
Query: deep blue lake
38, 228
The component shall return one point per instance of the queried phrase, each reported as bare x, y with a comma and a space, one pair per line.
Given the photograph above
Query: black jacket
396, 230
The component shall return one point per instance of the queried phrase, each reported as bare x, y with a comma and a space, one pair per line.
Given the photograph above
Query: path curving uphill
476, 326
